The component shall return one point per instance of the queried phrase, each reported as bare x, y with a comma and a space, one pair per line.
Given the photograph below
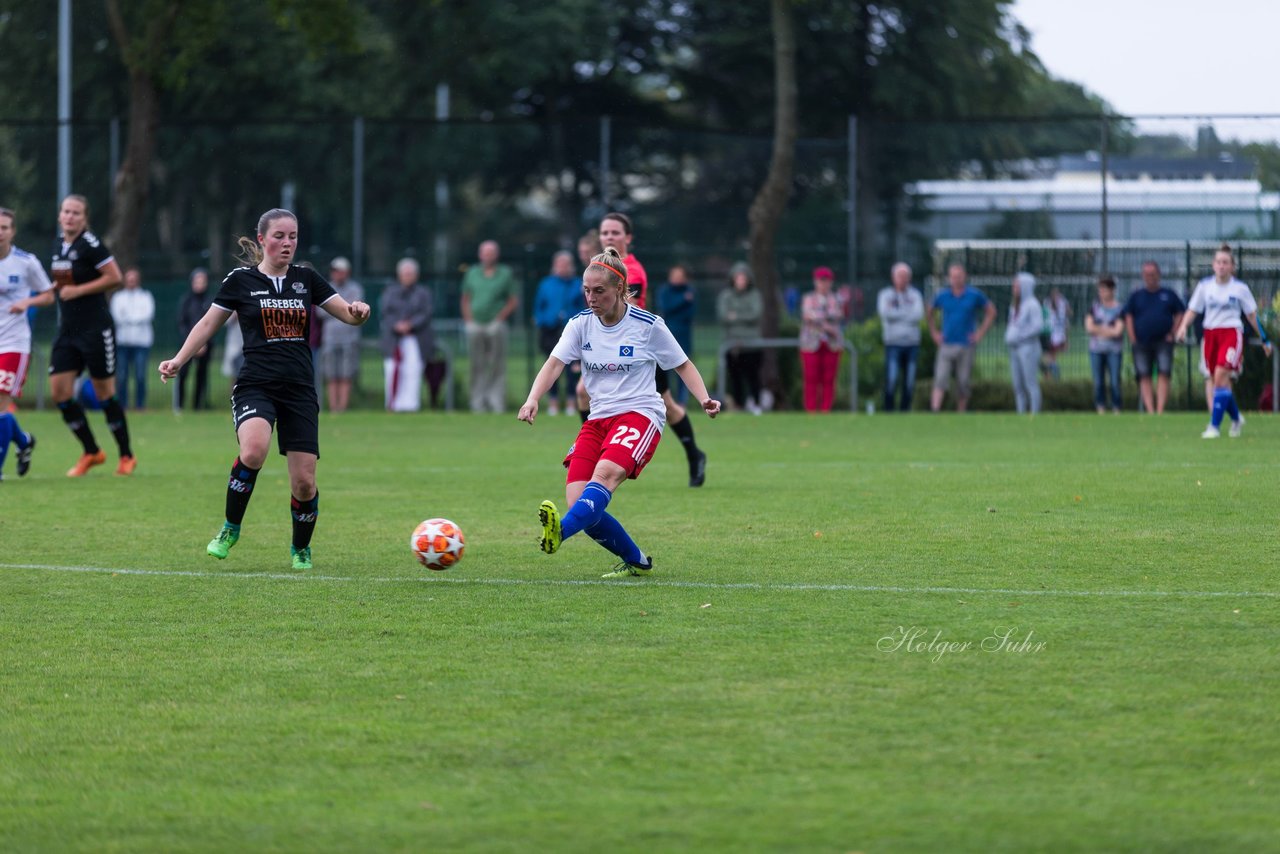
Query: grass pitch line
650, 582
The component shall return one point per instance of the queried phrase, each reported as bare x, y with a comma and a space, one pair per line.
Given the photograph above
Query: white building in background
1147, 199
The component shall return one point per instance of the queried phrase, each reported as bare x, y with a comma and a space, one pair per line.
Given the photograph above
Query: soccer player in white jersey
1222, 299
20, 275
619, 346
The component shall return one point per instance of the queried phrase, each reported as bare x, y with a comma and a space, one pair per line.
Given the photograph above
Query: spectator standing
1105, 325
1022, 337
958, 335
901, 308
340, 342
821, 341
406, 337
739, 308
1150, 316
133, 309
559, 297
1059, 311
676, 304
193, 307
490, 295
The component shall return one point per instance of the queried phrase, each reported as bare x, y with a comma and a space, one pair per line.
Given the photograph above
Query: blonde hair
614, 269
250, 251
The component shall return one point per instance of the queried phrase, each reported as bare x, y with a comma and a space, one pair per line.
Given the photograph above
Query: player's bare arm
208, 326
350, 313
109, 280
40, 300
549, 373
688, 372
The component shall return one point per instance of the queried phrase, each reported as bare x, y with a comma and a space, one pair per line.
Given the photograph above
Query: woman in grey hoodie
1022, 337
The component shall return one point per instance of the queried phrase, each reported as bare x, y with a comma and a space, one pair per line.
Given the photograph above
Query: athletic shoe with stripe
549, 516
86, 462
627, 570
24, 456
1237, 427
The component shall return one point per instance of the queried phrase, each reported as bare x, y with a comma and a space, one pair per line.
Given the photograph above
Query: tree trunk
131, 182
770, 203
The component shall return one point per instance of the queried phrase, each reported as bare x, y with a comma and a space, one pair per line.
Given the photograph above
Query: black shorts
660, 377
292, 409
93, 350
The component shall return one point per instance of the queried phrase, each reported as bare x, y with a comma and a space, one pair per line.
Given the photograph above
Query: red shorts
1223, 348
628, 439
13, 373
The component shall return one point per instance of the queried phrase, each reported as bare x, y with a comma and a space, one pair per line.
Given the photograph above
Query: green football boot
221, 544
549, 516
301, 557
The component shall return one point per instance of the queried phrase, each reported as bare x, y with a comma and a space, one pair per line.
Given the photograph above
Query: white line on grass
653, 582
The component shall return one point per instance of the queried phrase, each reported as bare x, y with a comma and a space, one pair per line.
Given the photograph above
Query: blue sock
609, 533
1232, 409
8, 432
1220, 398
586, 511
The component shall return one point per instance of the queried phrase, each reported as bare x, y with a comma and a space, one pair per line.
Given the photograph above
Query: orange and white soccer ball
437, 543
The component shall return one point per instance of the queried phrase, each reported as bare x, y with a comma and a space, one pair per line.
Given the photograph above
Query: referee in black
273, 299
84, 273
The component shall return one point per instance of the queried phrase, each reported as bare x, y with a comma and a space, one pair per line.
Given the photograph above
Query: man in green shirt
490, 295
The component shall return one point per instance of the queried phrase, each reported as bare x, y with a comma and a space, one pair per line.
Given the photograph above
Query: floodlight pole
852, 191
357, 196
64, 99
1106, 126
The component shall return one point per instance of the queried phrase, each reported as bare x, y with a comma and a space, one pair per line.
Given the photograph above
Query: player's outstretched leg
609, 533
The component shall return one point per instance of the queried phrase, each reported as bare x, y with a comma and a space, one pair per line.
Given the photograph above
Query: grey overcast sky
1172, 56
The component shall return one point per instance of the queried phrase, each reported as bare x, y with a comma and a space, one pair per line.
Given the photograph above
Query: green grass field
780, 684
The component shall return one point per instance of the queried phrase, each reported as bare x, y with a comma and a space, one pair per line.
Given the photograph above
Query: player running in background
20, 275
84, 273
272, 298
1222, 298
619, 345
616, 233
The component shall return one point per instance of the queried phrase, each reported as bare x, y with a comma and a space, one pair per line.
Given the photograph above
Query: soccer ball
437, 543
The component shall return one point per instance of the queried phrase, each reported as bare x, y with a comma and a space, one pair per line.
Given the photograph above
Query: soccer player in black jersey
84, 272
276, 388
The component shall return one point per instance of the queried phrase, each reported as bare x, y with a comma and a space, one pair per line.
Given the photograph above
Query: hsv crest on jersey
627, 350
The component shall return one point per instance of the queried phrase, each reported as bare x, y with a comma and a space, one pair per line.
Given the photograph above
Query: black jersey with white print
75, 263
275, 317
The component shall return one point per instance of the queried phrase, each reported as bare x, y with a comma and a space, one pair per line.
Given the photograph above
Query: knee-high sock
609, 533
1220, 406
73, 414
1233, 410
8, 429
239, 491
304, 519
117, 424
586, 511
684, 431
